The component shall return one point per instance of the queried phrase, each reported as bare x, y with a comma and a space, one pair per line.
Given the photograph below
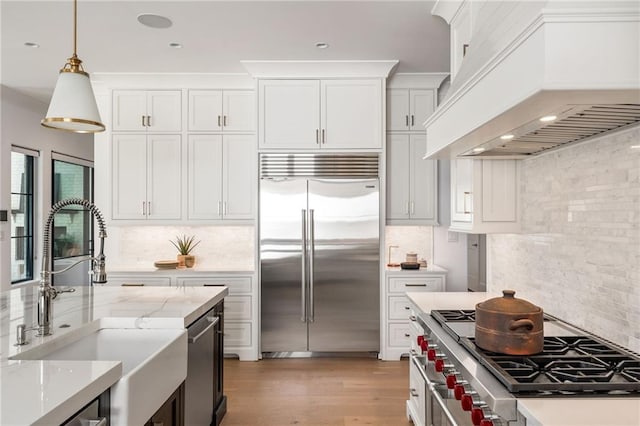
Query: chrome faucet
46, 292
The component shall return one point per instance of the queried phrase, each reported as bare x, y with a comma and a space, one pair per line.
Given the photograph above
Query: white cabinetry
146, 172
397, 312
411, 182
227, 111
221, 180
408, 108
320, 114
147, 111
485, 196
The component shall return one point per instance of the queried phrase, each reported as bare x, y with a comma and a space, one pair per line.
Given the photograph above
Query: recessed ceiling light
507, 137
547, 118
635, 146
154, 21
31, 44
175, 45
479, 149
322, 45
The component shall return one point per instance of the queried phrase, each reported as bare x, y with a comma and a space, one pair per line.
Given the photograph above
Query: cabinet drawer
402, 284
237, 307
237, 334
399, 335
138, 281
236, 284
399, 308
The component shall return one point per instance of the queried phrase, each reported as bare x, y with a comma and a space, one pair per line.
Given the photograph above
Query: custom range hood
575, 64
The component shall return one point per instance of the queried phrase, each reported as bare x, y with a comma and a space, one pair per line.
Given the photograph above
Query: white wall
449, 248
20, 125
578, 256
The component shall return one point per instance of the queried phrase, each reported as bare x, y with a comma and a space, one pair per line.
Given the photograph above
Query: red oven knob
486, 422
431, 354
477, 415
440, 365
451, 381
424, 345
420, 340
467, 402
458, 391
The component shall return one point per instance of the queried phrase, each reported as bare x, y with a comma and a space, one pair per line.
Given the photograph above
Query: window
22, 213
73, 225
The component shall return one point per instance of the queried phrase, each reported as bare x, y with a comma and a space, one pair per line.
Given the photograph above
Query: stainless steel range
465, 385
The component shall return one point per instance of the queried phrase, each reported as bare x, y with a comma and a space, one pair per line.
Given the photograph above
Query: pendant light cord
75, 26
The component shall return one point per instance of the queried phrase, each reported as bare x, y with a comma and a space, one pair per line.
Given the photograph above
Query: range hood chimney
573, 64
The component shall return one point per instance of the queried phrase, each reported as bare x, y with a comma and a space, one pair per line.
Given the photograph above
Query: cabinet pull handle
406, 205
144, 211
132, 285
407, 335
323, 140
219, 208
224, 207
148, 121
414, 393
415, 285
148, 208
406, 120
224, 121
465, 47
412, 317
407, 308
413, 207
464, 203
219, 123
142, 116
412, 121
317, 136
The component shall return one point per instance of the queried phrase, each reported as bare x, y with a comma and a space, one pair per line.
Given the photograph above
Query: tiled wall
578, 256
229, 248
417, 239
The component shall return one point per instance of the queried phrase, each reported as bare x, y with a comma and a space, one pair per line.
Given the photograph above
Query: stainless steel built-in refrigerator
319, 253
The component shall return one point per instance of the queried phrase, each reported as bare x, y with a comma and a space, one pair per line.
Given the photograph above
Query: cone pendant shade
73, 105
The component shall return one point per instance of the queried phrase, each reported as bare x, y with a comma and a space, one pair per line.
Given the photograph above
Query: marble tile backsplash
418, 239
230, 248
578, 256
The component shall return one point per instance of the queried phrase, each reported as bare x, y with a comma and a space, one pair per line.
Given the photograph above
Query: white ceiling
216, 36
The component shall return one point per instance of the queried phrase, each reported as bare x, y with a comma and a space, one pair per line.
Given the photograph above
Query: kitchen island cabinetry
147, 111
146, 173
411, 182
320, 114
172, 411
398, 316
485, 196
221, 177
226, 111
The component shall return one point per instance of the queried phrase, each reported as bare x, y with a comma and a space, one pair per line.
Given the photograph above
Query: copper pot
509, 326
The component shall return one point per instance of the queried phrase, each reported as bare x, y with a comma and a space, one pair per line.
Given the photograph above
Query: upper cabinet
408, 108
485, 196
320, 114
226, 111
147, 111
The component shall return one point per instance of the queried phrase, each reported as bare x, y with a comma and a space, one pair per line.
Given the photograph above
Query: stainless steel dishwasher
199, 386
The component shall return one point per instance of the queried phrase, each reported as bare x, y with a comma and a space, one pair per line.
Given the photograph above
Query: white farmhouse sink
154, 364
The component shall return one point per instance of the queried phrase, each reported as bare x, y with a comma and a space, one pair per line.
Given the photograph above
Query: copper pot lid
509, 304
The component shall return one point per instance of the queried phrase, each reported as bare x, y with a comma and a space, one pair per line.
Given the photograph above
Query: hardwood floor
316, 391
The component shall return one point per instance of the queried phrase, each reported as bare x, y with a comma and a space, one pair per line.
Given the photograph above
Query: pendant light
73, 105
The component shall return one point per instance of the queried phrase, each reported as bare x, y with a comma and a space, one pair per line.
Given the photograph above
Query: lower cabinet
172, 411
398, 313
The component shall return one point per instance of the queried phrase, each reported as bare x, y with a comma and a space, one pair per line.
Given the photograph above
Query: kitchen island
50, 391
548, 411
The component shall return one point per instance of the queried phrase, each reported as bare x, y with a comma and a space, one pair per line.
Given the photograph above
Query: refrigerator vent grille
319, 165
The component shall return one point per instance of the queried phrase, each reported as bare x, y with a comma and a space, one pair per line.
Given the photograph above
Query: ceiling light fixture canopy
73, 105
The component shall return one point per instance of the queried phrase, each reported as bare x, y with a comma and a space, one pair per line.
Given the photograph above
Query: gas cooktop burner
573, 364
454, 315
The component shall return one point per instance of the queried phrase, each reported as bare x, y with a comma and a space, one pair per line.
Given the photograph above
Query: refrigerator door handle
311, 258
303, 317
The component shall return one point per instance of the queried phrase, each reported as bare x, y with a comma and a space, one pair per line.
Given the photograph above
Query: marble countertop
431, 269
49, 392
544, 411
196, 270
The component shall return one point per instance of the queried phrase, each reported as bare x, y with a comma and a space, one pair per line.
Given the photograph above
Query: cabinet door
398, 177
164, 195
398, 110
239, 177
423, 183
461, 190
205, 177
421, 105
499, 191
129, 110
129, 174
351, 114
205, 110
164, 110
289, 114
239, 110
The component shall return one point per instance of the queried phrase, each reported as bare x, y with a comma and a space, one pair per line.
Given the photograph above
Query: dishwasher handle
214, 321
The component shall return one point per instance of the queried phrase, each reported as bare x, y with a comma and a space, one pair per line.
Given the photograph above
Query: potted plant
185, 245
